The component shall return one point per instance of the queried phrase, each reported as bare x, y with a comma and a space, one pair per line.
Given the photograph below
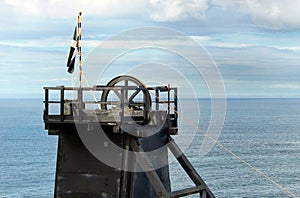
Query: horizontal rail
187, 191
165, 102
50, 101
96, 88
101, 88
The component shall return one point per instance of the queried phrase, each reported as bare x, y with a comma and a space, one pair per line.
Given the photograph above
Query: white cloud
285, 86
5, 9
290, 48
243, 45
177, 10
231, 45
48, 42
201, 39
271, 13
167, 10
66, 9
92, 42
64, 42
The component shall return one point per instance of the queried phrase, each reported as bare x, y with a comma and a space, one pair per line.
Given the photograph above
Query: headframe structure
135, 118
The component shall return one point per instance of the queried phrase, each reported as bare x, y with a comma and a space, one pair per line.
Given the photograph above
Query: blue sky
255, 44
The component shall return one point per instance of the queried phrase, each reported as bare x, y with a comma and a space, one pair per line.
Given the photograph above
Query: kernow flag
72, 53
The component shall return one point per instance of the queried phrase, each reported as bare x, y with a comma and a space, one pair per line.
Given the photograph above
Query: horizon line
186, 98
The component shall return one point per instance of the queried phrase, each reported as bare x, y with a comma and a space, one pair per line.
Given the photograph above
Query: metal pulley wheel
129, 95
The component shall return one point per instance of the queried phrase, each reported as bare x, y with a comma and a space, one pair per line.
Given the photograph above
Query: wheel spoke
118, 94
134, 94
126, 90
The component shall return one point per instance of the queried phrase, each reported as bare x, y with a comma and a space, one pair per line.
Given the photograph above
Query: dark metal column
145, 163
125, 161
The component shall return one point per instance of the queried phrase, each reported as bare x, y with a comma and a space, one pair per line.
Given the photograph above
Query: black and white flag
72, 53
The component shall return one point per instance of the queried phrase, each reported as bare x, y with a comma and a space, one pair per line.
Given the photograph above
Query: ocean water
264, 132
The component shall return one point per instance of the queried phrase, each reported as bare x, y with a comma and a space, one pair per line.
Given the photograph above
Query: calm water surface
264, 132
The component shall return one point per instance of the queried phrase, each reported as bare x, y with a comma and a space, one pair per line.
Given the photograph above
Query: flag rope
92, 92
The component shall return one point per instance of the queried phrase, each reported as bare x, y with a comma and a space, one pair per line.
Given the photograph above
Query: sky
255, 44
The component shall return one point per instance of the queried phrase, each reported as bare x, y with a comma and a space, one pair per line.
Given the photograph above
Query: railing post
80, 104
169, 107
62, 103
46, 110
122, 107
146, 105
157, 98
175, 104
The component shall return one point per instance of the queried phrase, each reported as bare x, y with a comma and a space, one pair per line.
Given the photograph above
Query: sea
265, 133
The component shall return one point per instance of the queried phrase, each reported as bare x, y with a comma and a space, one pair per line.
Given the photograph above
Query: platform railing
159, 102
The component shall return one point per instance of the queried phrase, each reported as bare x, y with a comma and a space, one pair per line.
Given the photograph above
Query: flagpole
79, 47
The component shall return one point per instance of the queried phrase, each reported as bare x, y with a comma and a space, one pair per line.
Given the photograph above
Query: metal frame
145, 163
130, 142
98, 90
